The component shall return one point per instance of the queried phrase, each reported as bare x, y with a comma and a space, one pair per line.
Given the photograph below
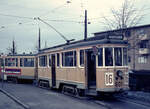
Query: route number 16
108, 79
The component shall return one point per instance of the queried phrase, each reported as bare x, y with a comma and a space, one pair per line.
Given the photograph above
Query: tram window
58, 57
75, 58
118, 56
50, 60
10, 62
108, 56
1, 62
82, 58
43, 61
21, 62
28, 62
16, 62
100, 57
63, 59
69, 58
125, 57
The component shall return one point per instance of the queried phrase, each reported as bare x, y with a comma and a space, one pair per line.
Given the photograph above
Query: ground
38, 98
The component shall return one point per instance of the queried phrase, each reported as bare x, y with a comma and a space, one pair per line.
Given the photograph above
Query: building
138, 38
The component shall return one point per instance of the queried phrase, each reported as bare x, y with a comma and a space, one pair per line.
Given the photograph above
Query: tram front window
108, 56
118, 56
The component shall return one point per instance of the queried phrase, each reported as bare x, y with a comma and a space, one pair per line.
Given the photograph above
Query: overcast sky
16, 20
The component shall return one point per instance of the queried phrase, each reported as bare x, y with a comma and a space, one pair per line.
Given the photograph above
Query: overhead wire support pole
55, 30
39, 41
85, 26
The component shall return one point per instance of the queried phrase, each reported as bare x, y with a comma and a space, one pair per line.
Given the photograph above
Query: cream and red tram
92, 65
18, 67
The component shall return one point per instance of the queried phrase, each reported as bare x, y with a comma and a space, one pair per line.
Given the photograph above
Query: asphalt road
38, 98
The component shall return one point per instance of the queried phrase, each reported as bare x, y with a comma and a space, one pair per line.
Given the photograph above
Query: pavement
7, 103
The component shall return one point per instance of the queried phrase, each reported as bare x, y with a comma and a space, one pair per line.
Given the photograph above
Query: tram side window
16, 62
43, 61
108, 56
82, 58
100, 57
125, 57
69, 59
118, 56
50, 60
58, 57
11, 62
28, 62
21, 62
1, 62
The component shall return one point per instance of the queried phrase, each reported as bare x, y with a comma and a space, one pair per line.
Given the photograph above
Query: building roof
117, 30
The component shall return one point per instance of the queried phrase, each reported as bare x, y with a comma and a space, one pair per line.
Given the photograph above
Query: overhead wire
22, 17
56, 8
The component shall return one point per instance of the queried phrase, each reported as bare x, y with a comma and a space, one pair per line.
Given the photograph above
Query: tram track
106, 104
115, 102
134, 101
88, 99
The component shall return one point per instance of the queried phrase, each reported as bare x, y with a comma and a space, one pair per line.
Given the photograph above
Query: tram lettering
109, 78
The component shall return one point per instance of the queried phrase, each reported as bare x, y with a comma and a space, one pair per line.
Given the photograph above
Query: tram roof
21, 54
88, 42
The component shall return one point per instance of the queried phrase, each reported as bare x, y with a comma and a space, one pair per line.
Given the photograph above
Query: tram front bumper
112, 89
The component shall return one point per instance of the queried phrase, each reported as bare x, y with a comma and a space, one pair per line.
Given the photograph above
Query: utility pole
13, 49
85, 26
39, 42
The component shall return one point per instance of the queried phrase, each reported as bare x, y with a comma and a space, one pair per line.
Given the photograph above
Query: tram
18, 67
95, 65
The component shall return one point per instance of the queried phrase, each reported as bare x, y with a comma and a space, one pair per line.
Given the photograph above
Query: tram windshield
109, 56
113, 56
118, 56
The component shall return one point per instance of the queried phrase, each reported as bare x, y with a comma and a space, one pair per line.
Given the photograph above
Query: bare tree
127, 15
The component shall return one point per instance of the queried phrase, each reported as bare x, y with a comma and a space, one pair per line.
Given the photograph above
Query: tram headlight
120, 74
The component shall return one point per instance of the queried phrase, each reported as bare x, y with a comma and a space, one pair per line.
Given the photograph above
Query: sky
17, 20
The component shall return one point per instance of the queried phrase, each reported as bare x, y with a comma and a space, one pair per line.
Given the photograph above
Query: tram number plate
109, 79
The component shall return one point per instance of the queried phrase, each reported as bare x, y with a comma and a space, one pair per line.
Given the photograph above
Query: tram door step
92, 87
91, 92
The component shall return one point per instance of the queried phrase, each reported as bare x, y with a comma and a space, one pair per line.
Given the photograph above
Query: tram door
91, 69
53, 70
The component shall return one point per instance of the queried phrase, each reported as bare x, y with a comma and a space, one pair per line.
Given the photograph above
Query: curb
15, 99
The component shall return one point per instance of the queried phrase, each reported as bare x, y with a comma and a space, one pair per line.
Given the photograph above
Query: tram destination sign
13, 71
118, 37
